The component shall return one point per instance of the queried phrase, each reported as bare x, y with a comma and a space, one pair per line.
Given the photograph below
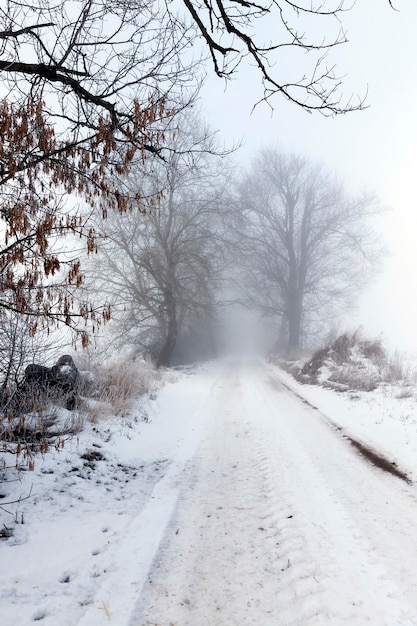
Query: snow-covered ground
235, 502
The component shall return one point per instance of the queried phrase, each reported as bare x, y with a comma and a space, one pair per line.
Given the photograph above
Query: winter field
232, 495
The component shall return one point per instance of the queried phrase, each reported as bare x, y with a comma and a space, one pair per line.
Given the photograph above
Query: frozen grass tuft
350, 362
112, 389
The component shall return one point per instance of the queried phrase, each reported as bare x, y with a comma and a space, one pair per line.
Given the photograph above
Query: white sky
375, 148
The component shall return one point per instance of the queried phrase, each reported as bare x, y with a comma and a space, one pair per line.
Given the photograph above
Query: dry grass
117, 386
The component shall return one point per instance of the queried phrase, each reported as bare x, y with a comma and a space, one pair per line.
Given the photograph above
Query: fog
164, 277
374, 148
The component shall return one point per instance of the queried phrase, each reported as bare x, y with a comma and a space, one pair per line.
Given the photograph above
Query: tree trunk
294, 325
167, 350
294, 294
281, 344
294, 313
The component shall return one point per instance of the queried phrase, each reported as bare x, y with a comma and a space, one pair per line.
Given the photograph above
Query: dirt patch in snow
378, 460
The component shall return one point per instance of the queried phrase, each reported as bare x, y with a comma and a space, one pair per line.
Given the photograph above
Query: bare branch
230, 37
5, 34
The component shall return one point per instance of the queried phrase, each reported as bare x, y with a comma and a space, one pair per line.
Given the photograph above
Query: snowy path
236, 503
280, 522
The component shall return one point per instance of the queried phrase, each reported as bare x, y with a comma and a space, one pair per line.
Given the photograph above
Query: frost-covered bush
111, 389
348, 362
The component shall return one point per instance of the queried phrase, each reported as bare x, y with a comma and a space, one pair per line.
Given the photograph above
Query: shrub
347, 361
112, 389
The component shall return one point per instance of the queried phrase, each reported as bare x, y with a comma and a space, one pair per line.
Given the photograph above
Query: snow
384, 419
231, 496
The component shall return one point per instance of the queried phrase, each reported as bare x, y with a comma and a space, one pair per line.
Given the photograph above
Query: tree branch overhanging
231, 35
91, 85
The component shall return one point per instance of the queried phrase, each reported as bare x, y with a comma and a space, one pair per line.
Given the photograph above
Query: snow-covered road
235, 502
279, 521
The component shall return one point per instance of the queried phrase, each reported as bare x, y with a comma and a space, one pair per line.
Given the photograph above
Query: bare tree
87, 86
90, 85
307, 246
161, 271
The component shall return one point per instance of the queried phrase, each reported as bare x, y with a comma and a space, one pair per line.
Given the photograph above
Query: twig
18, 501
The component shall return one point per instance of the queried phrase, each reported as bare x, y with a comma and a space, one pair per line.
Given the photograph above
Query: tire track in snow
263, 534
371, 455
225, 560
297, 585
133, 559
382, 506
354, 584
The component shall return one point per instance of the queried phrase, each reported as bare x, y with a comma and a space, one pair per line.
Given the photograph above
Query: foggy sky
375, 148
